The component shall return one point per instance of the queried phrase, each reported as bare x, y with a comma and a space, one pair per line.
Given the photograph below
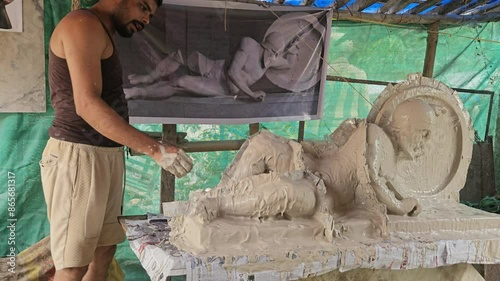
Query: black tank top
67, 125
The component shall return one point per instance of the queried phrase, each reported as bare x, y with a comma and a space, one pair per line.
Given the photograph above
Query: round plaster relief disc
441, 171
308, 33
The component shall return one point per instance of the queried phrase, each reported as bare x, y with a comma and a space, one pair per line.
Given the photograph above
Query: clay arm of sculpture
82, 41
379, 143
234, 74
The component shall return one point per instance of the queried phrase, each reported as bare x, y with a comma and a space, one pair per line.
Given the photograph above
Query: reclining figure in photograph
213, 78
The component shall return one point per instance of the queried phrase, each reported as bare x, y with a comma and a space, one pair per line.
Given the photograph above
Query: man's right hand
174, 160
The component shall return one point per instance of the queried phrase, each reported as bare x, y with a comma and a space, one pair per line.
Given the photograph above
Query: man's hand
174, 160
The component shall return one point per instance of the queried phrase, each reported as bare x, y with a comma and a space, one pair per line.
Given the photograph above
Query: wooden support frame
167, 182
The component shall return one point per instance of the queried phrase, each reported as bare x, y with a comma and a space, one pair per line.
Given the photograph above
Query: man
82, 166
218, 77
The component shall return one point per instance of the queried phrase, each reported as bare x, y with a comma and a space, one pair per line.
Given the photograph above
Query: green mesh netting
357, 50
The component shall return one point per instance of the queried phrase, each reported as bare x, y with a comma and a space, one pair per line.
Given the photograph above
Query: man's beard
124, 31
121, 27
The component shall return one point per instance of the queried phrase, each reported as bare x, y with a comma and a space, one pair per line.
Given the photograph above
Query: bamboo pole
302, 125
253, 128
167, 181
430, 52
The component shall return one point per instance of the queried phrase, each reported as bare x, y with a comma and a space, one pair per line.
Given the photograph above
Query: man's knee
105, 254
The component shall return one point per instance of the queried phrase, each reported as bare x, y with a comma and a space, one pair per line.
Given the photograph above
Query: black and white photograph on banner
11, 15
212, 62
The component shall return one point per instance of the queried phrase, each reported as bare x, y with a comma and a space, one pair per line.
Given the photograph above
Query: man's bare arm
83, 49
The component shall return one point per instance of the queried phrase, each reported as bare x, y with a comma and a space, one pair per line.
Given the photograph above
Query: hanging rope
75, 5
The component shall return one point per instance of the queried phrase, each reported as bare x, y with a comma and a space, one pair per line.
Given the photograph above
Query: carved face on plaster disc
411, 125
432, 132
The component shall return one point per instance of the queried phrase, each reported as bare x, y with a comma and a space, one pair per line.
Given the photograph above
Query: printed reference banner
217, 62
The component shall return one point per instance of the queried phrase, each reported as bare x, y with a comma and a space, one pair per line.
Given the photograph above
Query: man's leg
83, 191
98, 268
66, 185
111, 233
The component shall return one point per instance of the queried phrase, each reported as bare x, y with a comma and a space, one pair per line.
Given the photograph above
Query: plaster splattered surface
22, 83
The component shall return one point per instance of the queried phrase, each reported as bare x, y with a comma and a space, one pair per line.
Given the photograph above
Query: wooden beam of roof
337, 4
422, 7
497, 9
409, 19
471, 5
483, 9
446, 8
394, 6
360, 5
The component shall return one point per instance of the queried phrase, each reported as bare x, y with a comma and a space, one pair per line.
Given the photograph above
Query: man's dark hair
158, 2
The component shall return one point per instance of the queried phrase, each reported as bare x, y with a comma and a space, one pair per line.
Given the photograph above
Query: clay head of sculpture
274, 45
411, 127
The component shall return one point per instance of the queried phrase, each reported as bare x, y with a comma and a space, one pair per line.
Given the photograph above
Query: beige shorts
83, 188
